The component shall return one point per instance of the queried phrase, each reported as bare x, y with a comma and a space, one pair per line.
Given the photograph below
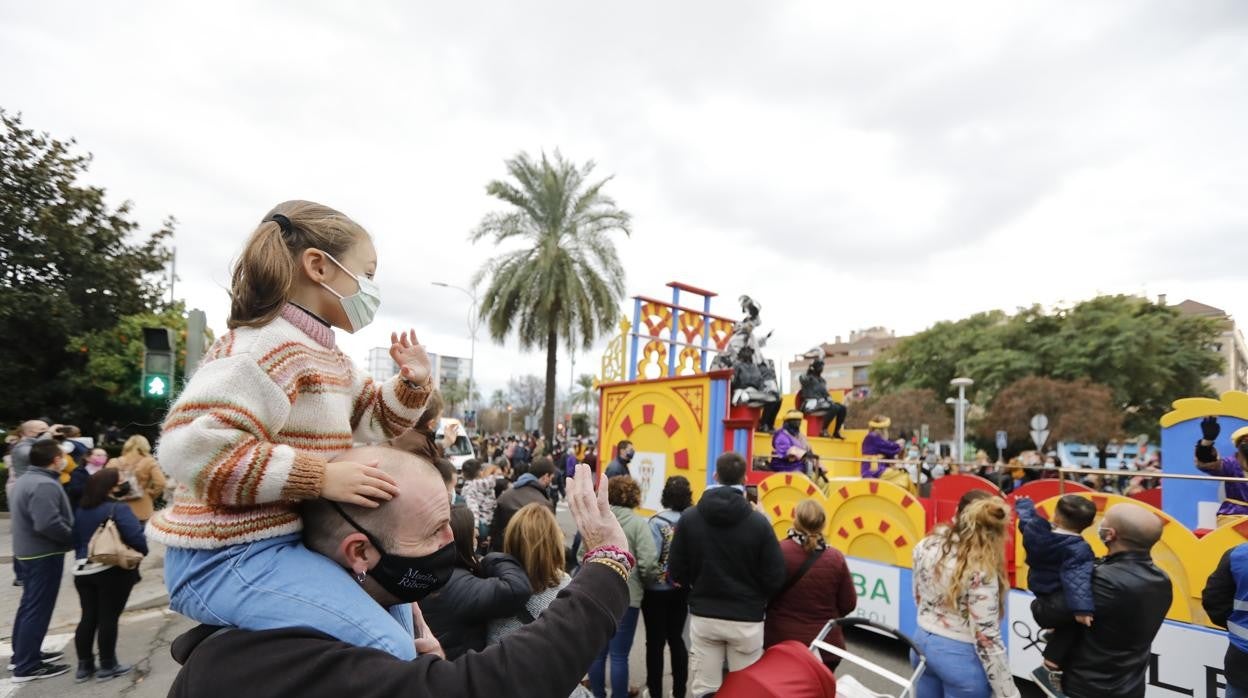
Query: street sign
1039, 437
1003, 440
1039, 422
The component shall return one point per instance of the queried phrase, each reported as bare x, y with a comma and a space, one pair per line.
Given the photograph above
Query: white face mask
361, 306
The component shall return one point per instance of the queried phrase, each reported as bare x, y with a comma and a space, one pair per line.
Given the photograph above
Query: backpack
667, 529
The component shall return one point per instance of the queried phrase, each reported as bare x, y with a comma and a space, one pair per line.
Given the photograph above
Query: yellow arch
1233, 403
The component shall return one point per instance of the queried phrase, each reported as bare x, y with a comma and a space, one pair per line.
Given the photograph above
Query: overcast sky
847, 164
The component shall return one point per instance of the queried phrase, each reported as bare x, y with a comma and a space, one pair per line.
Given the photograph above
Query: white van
459, 451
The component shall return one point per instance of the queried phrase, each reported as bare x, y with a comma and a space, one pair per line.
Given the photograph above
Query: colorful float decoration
661, 391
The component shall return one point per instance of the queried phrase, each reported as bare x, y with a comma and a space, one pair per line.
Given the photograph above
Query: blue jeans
953, 669
621, 644
278, 583
1232, 692
42, 581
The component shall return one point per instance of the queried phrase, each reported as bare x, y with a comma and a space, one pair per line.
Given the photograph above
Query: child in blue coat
1060, 566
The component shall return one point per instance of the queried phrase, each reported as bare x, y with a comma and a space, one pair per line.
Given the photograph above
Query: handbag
107, 548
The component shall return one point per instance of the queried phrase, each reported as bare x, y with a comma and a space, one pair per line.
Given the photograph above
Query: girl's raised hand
409, 354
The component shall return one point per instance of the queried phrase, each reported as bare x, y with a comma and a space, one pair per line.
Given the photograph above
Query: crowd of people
319, 567
61, 491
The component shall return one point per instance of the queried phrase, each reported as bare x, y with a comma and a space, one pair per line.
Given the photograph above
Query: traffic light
158, 364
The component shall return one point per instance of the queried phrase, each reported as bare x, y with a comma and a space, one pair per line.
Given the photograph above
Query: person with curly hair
624, 494
959, 590
665, 605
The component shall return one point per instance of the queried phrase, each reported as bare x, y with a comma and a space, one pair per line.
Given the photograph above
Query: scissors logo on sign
1024, 632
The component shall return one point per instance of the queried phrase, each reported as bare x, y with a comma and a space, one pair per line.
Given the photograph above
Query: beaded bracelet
612, 552
613, 565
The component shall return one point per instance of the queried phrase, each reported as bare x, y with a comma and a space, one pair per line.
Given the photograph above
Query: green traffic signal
156, 386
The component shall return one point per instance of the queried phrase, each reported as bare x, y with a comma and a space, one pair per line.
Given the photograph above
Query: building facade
847, 364
1230, 345
379, 365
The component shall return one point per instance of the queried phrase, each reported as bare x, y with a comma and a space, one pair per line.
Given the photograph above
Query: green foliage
454, 394
109, 365
585, 394
1079, 411
566, 280
1147, 354
71, 265
908, 409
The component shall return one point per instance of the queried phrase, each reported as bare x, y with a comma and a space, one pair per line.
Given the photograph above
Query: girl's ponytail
264, 275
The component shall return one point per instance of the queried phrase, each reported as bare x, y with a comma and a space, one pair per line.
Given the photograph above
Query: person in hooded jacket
726, 553
531, 487
479, 591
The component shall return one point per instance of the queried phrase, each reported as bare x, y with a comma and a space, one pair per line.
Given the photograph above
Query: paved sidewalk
148, 593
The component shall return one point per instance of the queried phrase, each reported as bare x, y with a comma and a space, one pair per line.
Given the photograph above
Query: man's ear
357, 553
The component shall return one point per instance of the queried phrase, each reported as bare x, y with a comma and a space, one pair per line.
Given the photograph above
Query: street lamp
961, 384
474, 322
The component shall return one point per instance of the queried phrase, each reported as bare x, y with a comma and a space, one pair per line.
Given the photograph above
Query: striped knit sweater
250, 435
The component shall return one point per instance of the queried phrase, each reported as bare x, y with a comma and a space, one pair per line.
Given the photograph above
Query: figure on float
1235, 503
813, 397
754, 378
791, 452
877, 443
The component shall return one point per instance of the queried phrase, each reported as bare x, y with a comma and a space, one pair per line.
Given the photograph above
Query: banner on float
1186, 661
879, 591
650, 471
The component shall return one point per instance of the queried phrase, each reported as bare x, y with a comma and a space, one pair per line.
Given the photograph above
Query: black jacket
544, 658
1132, 596
728, 555
510, 502
1218, 599
460, 611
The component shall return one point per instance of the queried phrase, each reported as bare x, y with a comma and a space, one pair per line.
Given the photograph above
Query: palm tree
566, 282
584, 393
498, 400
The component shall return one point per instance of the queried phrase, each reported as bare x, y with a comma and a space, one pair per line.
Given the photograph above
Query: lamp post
961, 384
474, 323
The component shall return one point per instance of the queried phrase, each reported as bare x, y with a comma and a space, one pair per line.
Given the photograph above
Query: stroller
792, 670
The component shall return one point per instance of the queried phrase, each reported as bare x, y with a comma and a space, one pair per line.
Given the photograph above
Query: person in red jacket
817, 589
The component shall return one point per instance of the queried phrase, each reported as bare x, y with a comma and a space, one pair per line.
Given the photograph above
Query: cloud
847, 165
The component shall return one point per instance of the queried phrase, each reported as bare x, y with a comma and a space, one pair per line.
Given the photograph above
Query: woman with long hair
624, 495
959, 589
818, 587
533, 538
480, 590
665, 606
142, 474
102, 589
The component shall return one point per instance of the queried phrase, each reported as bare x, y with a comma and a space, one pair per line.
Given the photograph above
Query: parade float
672, 384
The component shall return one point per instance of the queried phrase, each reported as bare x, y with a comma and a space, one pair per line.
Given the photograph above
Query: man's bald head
1137, 528
324, 528
33, 428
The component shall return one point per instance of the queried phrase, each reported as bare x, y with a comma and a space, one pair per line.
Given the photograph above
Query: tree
109, 366
566, 281
498, 400
585, 395
71, 266
454, 393
1079, 411
527, 395
1147, 354
909, 410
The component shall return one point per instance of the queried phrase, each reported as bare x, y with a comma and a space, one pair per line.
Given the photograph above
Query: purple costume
781, 442
1230, 467
876, 445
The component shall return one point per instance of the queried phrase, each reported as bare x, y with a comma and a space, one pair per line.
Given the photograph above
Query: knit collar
310, 324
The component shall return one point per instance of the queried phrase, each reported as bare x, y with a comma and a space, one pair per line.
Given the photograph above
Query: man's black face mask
408, 579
